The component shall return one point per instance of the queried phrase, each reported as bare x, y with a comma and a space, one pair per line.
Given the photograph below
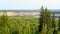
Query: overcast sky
28, 4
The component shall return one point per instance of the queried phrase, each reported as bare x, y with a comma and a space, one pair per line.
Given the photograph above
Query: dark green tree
59, 24
5, 19
53, 21
3, 23
48, 20
54, 24
41, 19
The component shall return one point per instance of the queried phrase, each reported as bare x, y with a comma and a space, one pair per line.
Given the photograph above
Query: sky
28, 4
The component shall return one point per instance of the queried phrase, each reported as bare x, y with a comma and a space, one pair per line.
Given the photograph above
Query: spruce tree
53, 20
59, 24
41, 19
42, 26
48, 20
54, 24
4, 27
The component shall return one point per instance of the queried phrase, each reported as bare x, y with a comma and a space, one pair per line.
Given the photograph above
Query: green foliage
45, 21
41, 19
29, 25
54, 25
48, 20
59, 24
53, 21
3, 25
18, 25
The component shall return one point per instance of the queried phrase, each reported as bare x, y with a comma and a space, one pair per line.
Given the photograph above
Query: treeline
48, 24
19, 25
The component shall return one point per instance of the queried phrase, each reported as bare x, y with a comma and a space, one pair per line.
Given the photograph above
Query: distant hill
52, 10
29, 12
56, 11
20, 10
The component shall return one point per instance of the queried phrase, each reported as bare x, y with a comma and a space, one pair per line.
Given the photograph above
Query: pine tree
41, 19
53, 20
42, 26
54, 24
4, 27
48, 20
59, 24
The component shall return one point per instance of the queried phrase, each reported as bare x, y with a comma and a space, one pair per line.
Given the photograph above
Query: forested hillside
45, 24
18, 25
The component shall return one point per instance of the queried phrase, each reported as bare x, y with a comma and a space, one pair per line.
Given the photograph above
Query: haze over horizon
28, 4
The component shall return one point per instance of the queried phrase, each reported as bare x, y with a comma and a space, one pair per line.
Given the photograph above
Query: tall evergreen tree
54, 24
59, 24
44, 29
41, 19
5, 19
53, 20
48, 20
4, 27
42, 26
